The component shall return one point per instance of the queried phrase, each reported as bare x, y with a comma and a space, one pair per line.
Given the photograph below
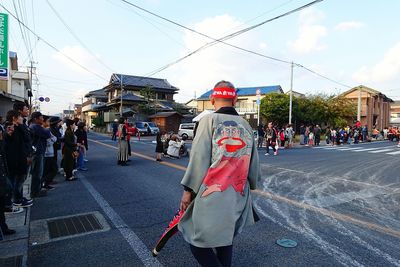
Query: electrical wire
76, 37
20, 27
229, 36
52, 46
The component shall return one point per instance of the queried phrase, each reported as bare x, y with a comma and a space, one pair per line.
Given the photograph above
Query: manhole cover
286, 243
11, 261
73, 225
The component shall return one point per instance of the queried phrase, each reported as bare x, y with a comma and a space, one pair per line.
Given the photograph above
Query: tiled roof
130, 97
139, 81
245, 91
164, 114
97, 93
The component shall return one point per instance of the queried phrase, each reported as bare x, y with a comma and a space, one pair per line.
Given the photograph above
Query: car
141, 127
153, 127
186, 130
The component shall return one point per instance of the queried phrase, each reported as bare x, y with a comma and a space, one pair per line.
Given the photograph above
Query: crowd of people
275, 137
29, 145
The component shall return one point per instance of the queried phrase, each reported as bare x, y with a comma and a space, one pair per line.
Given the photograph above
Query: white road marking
394, 153
381, 150
133, 240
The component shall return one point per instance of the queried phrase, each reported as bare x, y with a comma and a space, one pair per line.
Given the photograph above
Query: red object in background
358, 124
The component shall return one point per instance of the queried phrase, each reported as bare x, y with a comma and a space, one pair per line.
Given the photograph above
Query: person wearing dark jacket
39, 141
55, 130
16, 159
68, 150
3, 188
81, 141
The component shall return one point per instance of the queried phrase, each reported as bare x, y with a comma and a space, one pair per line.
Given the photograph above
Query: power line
227, 37
20, 27
52, 46
76, 36
223, 39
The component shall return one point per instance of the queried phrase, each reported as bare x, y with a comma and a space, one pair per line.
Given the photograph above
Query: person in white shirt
173, 147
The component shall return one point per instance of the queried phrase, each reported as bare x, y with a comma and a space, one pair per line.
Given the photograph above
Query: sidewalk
14, 248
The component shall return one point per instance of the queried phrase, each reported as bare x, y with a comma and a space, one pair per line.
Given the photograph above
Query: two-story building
16, 88
374, 106
131, 96
395, 113
246, 104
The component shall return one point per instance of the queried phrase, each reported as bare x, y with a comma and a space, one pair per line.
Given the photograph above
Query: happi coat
223, 167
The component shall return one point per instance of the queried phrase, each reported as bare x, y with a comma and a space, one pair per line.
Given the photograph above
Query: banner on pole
3, 46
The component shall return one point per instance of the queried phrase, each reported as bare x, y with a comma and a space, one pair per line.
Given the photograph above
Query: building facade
375, 106
395, 114
246, 104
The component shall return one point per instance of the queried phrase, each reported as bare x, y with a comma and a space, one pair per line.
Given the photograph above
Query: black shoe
48, 187
128, 160
8, 232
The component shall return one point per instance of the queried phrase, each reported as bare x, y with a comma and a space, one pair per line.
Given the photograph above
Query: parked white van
186, 130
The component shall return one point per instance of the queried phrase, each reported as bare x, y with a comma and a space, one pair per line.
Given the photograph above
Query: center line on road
326, 212
133, 240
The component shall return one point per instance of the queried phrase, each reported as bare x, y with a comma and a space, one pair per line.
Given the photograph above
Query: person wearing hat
50, 161
222, 170
114, 130
69, 148
39, 141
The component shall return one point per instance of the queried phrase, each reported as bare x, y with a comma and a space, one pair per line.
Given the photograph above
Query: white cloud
385, 70
200, 72
81, 56
348, 25
310, 32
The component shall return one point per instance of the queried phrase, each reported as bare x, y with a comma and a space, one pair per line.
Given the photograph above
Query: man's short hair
35, 115
19, 106
11, 114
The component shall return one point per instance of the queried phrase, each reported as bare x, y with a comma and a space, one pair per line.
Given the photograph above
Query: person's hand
185, 200
29, 160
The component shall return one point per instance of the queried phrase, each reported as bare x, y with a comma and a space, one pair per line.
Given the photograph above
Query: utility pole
359, 105
291, 93
122, 90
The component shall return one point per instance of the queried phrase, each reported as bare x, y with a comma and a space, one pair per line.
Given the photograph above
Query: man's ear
212, 100
234, 101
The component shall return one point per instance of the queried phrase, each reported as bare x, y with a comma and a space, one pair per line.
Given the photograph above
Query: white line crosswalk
388, 150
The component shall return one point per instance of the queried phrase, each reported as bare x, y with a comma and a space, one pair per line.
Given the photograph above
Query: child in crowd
311, 139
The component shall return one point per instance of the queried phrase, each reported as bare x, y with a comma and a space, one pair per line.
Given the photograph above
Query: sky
350, 42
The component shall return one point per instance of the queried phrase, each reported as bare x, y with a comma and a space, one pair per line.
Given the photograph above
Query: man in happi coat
223, 168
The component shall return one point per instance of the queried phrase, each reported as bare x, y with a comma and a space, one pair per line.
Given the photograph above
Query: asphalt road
340, 204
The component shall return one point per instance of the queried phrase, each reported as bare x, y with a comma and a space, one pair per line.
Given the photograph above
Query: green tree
275, 107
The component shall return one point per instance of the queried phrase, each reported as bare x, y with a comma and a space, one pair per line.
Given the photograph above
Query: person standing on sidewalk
69, 149
23, 109
81, 141
222, 170
159, 147
39, 141
290, 136
16, 159
50, 162
270, 136
4, 187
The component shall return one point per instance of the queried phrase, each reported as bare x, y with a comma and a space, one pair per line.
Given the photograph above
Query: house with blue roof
246, 105
247, 98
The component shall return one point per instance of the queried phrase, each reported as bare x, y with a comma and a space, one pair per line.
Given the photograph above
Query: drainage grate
73, 225
11, 261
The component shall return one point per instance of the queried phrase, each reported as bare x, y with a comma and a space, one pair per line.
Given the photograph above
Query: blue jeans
80, 161
37, 173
